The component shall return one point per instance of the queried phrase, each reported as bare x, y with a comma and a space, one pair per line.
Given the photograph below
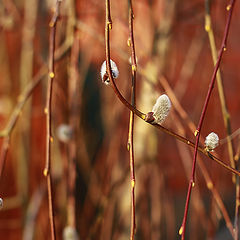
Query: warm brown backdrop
171, 43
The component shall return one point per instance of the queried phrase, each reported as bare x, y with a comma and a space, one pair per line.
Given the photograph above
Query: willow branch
48, 110
225, 113
197, 132
202, 167
131, 120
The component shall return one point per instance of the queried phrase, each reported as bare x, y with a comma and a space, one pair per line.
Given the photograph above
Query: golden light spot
51, 74
207, 27
133, 183
209, 185
180, 230
134, 68
109, 25
228, 7
196, 133
51, 24
129, 42
45, 172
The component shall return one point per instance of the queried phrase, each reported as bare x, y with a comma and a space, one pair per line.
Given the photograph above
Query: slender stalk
197, 132
24, 96
48, 110
131, 120
201, 164
225, 113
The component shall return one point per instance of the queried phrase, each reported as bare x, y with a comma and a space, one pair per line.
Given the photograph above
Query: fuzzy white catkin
64, 133
211, 141
1, 203
114, 69
161, 108
70, 233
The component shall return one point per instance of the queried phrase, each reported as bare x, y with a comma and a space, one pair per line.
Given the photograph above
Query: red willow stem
143, 115
48, 110
108, 27
131, 120
197, 132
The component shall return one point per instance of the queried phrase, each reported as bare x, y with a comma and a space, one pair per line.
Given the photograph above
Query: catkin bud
64, 133
161, 109
211, 141
1, 203
70, 233
104, 75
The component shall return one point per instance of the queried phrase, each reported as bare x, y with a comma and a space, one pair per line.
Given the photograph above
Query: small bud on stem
104, 75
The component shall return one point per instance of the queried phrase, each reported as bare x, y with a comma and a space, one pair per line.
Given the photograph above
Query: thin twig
74, 109
201, 164
48, 110
32, 212
6, 133
225, 113
22, 98
131, 119
26, 73
197, 132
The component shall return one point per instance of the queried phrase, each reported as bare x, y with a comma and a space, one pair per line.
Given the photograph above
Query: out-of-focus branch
6, 133
25, 75
32, 211
74, 99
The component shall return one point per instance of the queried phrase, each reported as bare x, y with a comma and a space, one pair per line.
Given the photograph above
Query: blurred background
90, 161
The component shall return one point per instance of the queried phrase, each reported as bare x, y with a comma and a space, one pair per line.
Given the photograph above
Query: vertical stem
197, 132
48, 110
131, 121
202, 167
226, 116
225, 113
108, 27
